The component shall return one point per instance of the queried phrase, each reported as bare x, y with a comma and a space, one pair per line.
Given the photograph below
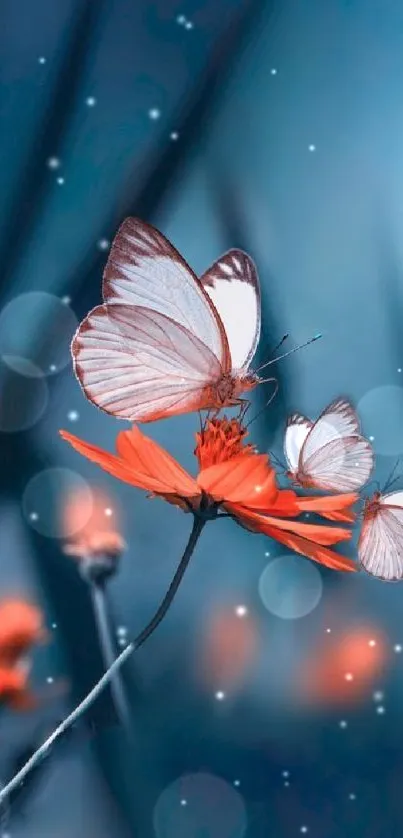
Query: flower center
220, 440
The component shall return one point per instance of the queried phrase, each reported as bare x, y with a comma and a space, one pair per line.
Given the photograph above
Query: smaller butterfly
380, 544
330, 454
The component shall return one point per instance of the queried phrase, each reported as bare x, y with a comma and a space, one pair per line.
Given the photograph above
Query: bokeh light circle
290, 587
37, 327
45, 498
200, 804
381, 414
24, 396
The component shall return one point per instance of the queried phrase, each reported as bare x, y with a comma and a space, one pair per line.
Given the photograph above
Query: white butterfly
329, 454
380, 545
165, 342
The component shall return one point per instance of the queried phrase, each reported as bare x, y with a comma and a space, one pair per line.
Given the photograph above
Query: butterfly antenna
283, 340
277, 460
290, 352
392, 479
273, 396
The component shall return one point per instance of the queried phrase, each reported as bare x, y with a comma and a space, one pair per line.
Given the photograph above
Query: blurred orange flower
100, 535
343, 670
21, 628
234, 478
229, 646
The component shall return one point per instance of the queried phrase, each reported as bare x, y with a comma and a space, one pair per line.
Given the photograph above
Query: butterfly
165, 342
380, 544
329, 454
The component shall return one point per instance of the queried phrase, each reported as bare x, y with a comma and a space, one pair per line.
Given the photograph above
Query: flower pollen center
220, 440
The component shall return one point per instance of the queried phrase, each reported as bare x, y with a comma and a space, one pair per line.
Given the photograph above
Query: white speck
237, 782
258, 488
285, 773
378, 695
90, 101
371, 438
108, 512
397, 648
41, 59
49, 680
304, 829
73, 415
66, 301
273, 71
103, 244
181, 20
399, 369
188, 24
349, 676
54, 625
154, 113
220, 695
306, 514
343, 724
174, 135
33, 516
328, 630
52, 368
241, 610
122, 641
286, 784
372, 643
380, 709
312, 147
352, 796
184, 802
60, 181
54, 163
121, 631
267, 554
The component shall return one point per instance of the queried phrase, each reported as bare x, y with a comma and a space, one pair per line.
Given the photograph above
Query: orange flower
232, 478
228, 649
344, 670
98, 544
21, 628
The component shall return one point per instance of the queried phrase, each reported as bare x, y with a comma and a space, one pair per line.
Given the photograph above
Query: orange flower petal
246, 478
14, 691
122, 469
318, 533
332, 507
21, 626
313, 551
146, 456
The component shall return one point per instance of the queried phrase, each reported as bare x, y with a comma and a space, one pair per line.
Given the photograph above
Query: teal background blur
275, 127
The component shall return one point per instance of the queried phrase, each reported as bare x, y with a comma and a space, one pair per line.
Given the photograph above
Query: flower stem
44, 749
102, 619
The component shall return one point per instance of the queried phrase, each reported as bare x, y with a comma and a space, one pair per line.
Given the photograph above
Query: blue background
277, 128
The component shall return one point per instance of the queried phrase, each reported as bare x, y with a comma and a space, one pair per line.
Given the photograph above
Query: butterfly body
227, 391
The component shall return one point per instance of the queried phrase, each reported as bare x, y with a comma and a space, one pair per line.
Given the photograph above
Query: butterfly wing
334, 456
296, 432
144, 269
380, 545
140, 365
157, 343
232, 283
341, 465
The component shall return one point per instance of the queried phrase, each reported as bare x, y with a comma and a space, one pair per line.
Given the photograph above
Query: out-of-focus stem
44, 749
105, 633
